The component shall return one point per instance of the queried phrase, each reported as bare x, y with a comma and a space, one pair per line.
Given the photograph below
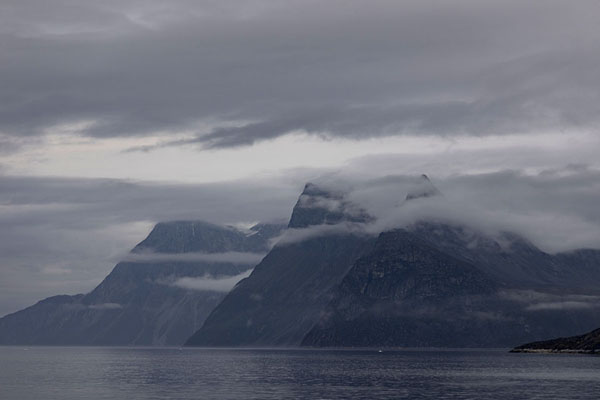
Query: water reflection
159, 373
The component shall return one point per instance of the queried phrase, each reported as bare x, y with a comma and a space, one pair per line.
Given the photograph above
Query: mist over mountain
146, 301
429, 281
412, 184
285, 294
435, 285
64, 235
391, 261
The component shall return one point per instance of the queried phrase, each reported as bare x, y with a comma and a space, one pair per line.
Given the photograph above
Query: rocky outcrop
588, 343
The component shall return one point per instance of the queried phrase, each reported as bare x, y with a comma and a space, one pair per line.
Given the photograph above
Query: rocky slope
415, 290
159, 296
285, 294
442, 285
429, 284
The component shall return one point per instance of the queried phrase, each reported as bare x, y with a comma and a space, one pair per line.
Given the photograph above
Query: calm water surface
163, 373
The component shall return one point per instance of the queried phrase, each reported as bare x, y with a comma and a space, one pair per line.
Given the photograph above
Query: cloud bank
210, 283
105, 306
234, 257
539, 301
555, 209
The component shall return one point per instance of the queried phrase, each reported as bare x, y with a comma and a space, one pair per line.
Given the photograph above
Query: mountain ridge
283, 297
139, 302
329, 280
525, 287
514, 310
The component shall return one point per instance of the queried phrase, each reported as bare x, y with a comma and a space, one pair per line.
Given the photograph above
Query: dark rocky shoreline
588, 343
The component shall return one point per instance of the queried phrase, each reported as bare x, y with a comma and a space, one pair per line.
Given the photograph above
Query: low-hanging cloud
81, 226
555, 209
210, 283
233, 257
105, 306
562, 305
533, 300
296, 235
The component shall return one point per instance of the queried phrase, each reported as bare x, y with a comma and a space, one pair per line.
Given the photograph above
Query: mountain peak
312, 189
318, 205
423, 188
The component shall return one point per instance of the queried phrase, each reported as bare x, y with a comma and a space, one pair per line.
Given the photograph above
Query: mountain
511, 259
404, 292
444, 285
159, 295
328, 283
439, 285
287, 291
587, 343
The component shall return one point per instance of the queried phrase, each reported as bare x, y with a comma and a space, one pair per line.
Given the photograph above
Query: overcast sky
117, 114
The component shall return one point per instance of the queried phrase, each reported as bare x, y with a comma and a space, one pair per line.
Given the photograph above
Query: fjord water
169, 373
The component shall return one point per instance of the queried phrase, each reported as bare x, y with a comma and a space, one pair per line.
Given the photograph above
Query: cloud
538, 301
80, 203
210, 283
295, 235
237, 74
554, 209
56, 271
564, 305
492, 100
105, 306
534, 296
234, 257
532, 205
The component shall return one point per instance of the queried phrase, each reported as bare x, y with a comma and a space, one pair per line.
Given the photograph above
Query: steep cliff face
159, 296
405, 293
436, 285
511, 259
286, 293
429, 284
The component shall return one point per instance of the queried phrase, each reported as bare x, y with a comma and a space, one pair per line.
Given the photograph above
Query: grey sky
117, 114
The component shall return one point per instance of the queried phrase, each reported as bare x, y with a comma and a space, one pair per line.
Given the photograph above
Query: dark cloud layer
237, 73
